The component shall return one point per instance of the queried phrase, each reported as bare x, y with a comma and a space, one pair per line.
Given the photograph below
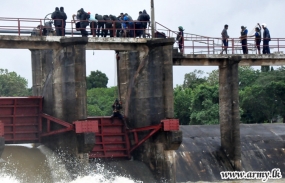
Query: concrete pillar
59, 75
42, 70
229, 110
146, 88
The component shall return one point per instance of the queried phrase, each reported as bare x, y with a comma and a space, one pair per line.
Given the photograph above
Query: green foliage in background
12, 84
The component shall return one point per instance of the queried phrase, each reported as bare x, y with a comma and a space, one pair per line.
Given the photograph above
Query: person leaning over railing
225, 38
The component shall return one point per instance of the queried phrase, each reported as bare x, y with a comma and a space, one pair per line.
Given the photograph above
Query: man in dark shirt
58, 20
243, 37
64, 17
101, 24
84, 22
225, 38
266, 39
180, 39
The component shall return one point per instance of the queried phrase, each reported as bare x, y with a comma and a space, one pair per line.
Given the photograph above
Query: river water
30, 164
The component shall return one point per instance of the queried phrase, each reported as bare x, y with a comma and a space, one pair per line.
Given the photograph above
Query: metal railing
192, 43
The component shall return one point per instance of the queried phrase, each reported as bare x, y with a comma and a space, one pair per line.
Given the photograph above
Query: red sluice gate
23, 121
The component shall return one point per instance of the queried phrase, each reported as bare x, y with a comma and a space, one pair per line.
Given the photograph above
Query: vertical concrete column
146, 88
42, 70
69, 91
168, 81
229, 110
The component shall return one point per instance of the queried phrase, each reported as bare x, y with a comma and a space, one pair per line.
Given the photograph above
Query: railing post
71, 28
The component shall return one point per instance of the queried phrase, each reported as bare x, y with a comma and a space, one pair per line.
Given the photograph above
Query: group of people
103, 25
243, 37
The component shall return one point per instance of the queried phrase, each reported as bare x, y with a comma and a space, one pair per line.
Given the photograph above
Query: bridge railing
197, 44
44, 27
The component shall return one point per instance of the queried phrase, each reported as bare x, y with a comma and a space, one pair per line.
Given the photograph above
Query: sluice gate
22, 121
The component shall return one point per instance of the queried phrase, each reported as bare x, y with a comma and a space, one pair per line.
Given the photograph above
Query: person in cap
58, 21
243, 37
225, 38
257, 36
266, 39
180, 39
64, 17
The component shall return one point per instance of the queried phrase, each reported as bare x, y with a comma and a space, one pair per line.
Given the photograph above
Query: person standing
266, 39
180, 39
257, 36
101, 24
146, 21
64, 17
58, 19
84, 22
243, 37
93, 24
225, 38
109, 26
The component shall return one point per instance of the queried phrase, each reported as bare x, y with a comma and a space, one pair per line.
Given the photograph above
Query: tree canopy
12, 84
261, 93
96, 79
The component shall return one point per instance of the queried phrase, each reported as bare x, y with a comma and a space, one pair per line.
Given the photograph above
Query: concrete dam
161, 149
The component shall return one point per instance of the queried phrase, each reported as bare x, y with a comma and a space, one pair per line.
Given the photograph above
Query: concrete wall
59, 75
146, 88
2, 145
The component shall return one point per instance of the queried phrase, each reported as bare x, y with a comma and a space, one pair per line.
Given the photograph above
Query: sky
202, 17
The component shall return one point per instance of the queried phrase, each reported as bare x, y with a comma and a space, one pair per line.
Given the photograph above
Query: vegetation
196, 101
12, 84
262, 96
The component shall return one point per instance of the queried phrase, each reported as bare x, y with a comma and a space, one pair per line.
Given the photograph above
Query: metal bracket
86, 126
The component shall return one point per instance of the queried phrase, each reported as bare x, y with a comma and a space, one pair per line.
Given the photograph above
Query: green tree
97, 79
100, 101
193, 79
12, 84
205, 105
182, 103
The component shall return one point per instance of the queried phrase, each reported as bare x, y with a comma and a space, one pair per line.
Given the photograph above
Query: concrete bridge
146, 89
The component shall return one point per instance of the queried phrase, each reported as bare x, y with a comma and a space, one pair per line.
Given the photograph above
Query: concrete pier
145, 82
229, 110
59, 75
2, 145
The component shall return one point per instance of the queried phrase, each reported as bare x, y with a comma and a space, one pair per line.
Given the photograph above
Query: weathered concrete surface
215, 59
229, 116
54, 42
145, 82
59, 75
200, 157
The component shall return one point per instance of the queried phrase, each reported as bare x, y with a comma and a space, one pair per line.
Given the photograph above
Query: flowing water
38, 164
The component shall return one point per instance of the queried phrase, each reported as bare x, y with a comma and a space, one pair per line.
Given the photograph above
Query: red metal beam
67, 126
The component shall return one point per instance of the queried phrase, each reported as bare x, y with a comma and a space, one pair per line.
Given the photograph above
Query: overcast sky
203, 17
